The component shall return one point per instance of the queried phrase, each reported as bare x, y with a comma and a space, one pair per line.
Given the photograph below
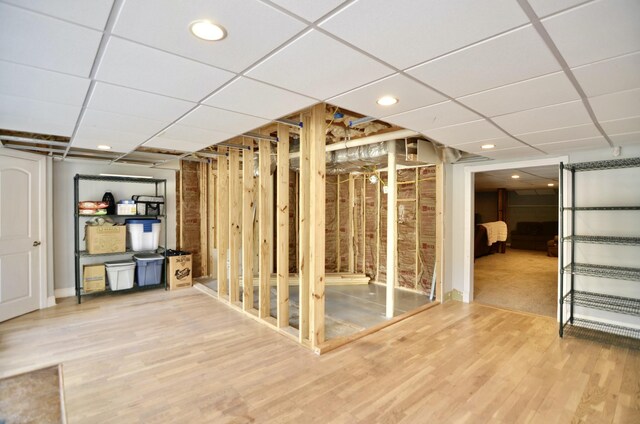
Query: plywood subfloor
158, 357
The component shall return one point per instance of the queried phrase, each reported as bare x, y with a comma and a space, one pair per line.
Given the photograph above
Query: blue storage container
148, 268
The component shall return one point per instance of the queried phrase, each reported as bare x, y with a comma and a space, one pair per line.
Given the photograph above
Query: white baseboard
51, 301
66, 292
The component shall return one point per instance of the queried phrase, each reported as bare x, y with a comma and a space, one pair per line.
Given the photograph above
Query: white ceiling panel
515, 153
434, 116
310, 10
33, 39
92, 13
595, 31
544, 118
112, 98
529, 94
187, 138
465, 133
37, 84
621, 126
570, 146
626, 139
500, 143
515, 56
407, 32
259, 99
22, 114
560, 134
623, 104
135, 66
211, 118
319, 66
547, 7
120, 141
608, 76
410, 95
253, 29
125, 123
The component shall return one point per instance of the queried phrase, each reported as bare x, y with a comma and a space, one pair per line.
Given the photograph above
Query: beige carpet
33, 397
522, 280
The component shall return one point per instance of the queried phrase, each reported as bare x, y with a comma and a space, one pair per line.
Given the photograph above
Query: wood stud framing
235, 221
351, 224
303, 233
283, 226
264, 222
223, 224
248, 208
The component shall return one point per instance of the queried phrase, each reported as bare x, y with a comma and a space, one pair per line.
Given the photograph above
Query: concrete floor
348, 309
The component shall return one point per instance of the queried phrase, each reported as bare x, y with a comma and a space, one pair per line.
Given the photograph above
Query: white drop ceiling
533, 77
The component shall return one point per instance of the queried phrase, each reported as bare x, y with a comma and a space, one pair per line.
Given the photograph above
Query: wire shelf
120, 216
132, 289
605, 271
602, 208
119, 179
629, 241
611, 334
84, 253
604, 164
604, 302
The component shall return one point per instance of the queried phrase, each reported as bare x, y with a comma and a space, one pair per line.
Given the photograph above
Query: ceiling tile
623, 104
185, 138
33, 39
626, 139
544, 118
38, 84
143, 68
112, 98
310, 10
120, 141
258, 99
547, 7
515, 153
125, 123
410, 95
405, 33
253, 29
621, 126
609, 76
319, 66
22, 114
560, 134
434, 116
500, 143
529, 94
573, 145
92, 13
224, 121
515, 56
595, 31
465, 133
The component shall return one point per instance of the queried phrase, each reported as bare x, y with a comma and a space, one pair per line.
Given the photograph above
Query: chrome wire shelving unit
159, 188
595, 329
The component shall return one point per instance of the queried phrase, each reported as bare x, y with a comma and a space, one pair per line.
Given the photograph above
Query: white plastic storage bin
143, 234
120, 274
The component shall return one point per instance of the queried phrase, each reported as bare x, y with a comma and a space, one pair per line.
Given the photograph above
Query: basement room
319, 212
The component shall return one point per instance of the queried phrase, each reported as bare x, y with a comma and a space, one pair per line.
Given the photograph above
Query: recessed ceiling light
550, 184
515, 176
387, 101
207, 30
488, 146
104, 147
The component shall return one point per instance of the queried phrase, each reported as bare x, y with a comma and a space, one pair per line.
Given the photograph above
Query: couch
533, 235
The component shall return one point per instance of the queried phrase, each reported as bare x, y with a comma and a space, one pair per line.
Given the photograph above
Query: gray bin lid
147, 256
123, 262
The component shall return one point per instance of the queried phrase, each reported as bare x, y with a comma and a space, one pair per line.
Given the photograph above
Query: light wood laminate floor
183, 357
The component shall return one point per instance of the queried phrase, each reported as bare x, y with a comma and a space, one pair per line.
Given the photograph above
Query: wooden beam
439, 268
364, 224
391, 228
248, 205
181, 208
211, 217
378, 206
338, 253
235, 222
303, 228
283, 226
317, 224
223, 224
351, 224
417, 283
264, 222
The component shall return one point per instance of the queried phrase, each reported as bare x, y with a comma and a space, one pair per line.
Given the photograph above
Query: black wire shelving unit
160, 188
593, 329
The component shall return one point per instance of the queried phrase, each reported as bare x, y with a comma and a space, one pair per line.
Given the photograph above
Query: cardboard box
106, 238
180, 274
93, 278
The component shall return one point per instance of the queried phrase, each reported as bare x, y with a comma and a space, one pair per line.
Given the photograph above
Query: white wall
63, 209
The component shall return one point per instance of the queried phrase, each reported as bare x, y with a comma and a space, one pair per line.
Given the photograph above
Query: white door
20, 232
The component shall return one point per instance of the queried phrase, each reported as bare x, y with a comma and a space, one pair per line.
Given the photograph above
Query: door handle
36, 243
